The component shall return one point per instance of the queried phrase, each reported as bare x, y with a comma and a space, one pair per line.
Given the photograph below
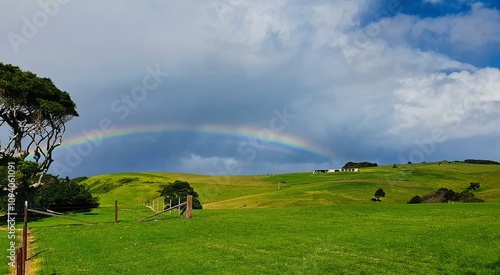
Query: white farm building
336, 170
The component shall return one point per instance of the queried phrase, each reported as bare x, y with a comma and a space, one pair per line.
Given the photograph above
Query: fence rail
161, 212
58, 216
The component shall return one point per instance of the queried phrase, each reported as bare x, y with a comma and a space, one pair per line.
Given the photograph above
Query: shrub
474, 186
481, 161
467, 196
444, 195
415, 199
450, 195
63, 195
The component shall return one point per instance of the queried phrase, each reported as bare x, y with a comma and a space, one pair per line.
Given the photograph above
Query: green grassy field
349, 239
315, 224
400, 184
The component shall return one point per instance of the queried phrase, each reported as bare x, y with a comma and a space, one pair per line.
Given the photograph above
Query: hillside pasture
348, 239
314, 224
222, 192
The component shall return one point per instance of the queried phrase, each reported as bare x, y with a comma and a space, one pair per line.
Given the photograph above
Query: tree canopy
481, 161
363, 164
180, 190
25, 175
64, 195
379, 193
35, 111
474, 186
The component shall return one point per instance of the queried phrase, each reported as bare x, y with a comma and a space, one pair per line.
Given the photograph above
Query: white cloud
464, 33
233, 61
461, 103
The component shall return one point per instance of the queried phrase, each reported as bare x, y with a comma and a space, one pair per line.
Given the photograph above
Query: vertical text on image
11, 213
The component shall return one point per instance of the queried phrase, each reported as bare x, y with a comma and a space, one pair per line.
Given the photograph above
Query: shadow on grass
34, 256
495, 265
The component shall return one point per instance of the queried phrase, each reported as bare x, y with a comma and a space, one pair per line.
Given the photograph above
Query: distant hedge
481, 161
351, 164
443, 195
64, 195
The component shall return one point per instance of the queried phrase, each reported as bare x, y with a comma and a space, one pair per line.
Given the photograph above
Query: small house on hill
349, 170
336, 170
320, 171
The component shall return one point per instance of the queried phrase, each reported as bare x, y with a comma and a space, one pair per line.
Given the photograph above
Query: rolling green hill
226, 192
315, 224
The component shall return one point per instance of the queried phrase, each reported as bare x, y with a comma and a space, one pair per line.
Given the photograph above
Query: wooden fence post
20, 261
189, 210
116, 211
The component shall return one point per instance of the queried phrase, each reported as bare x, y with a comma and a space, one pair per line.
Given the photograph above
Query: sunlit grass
315, 224
349, 239
400, 184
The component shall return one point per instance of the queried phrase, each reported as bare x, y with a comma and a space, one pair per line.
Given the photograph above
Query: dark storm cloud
356, 84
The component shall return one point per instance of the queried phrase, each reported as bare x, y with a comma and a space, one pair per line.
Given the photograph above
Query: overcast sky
258, 87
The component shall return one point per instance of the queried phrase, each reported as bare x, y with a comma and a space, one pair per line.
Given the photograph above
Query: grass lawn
5, 244
316, 224
349, 239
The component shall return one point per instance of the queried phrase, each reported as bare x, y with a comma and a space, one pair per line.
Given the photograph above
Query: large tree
179, 190
35, 113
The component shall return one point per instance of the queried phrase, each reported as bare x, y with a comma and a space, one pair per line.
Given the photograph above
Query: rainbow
263, 135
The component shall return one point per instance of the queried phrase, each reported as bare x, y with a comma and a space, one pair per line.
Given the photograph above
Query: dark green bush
351, 164
467, 196
379, 193
450, 195
474, 186
62, 195
481, 161
443, 195
415, 199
